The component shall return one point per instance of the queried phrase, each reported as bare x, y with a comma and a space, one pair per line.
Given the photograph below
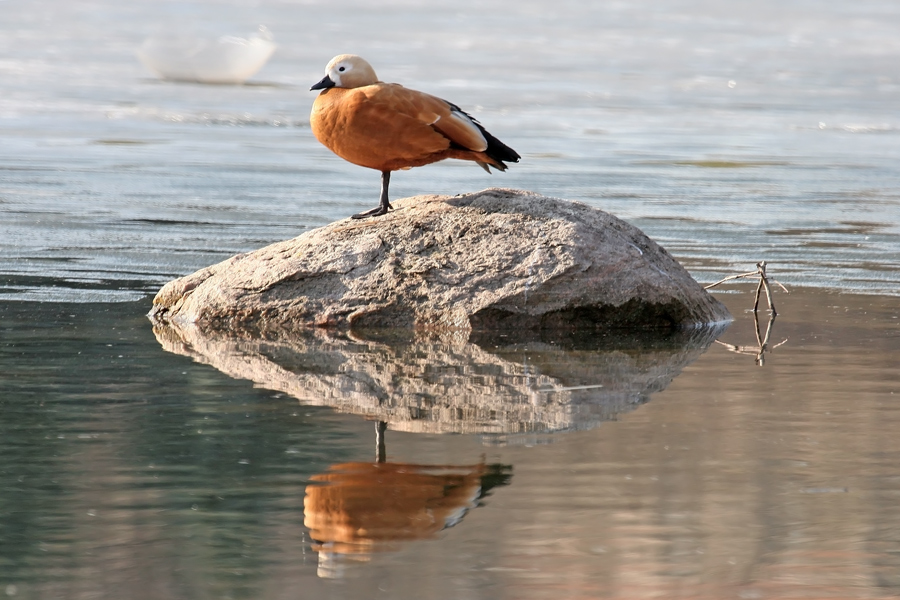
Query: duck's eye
342, 69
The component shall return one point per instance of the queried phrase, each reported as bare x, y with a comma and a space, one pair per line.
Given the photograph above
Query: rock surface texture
493, 260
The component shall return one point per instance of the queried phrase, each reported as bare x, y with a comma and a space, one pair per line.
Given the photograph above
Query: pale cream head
350, 71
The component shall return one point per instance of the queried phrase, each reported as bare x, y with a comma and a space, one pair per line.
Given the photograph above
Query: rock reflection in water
421, 384
356, 509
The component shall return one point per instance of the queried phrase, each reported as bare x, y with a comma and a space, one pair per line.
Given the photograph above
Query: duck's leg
385, 205
380, 447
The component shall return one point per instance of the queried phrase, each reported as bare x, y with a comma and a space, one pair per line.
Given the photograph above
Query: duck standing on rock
387, 127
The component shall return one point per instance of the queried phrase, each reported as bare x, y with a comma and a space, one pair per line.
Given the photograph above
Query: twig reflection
762, 341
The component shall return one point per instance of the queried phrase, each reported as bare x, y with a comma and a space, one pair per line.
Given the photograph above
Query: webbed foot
375, 212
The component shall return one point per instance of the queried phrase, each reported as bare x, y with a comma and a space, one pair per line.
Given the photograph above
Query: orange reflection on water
358, 508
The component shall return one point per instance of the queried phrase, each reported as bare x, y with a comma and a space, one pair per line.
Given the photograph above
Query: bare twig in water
760, 272
762, 342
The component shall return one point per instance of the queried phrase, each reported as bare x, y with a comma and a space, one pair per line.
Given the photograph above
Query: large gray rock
496, 259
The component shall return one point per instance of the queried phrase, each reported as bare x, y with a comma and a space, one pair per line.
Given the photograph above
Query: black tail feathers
496, 150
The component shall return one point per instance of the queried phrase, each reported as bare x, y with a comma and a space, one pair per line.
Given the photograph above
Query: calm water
133, 471
157, 464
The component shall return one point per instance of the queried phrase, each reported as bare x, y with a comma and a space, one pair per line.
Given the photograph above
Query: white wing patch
466, 122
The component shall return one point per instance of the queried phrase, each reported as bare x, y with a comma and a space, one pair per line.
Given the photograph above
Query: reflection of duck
357, 508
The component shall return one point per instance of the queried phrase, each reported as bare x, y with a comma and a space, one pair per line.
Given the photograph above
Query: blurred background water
729, 132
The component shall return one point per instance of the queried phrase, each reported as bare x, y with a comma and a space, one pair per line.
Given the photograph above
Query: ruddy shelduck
387, 127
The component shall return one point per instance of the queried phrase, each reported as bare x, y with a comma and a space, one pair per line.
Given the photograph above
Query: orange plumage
387, 127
